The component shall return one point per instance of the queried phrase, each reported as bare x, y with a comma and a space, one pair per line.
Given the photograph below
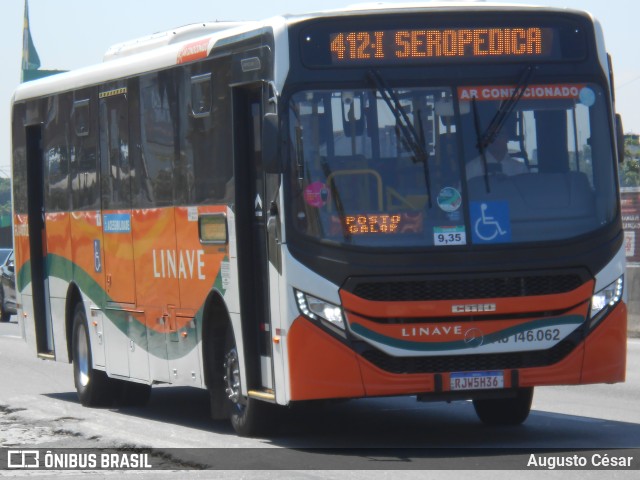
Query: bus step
266, 395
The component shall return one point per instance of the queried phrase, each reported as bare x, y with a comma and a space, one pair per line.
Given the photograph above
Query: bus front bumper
323, 367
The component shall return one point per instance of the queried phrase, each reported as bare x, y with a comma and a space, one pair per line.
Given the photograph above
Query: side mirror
619, 138
271, 160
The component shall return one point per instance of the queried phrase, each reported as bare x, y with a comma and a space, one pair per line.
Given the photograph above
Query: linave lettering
187, 264
431, 331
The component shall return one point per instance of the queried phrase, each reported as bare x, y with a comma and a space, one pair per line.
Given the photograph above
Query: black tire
94, 387
505, 411
249, 417
214, 345
4, 315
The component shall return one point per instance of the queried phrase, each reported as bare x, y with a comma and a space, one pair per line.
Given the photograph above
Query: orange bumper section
321, 367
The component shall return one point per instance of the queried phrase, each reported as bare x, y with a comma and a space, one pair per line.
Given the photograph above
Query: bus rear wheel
505, 411
249, 417
94, 387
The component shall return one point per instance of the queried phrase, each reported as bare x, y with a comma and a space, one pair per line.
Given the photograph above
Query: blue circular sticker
449, 199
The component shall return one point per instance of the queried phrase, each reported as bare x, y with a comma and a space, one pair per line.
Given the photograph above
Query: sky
69, 34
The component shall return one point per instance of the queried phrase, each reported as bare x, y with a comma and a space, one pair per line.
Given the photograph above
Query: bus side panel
156, 261
88, 273
20, 220
58, 273
200, 270
201, 262
24, 292
156, 271
87, 254
120, 285
23, 275
157, 345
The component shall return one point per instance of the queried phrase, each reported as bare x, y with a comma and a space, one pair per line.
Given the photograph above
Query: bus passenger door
253, 199
116, 199
125, 331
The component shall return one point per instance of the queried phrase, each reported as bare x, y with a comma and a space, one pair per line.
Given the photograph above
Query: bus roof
160, 39
181, 45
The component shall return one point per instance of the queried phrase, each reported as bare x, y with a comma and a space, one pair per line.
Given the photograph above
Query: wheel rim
232, 378
82, 357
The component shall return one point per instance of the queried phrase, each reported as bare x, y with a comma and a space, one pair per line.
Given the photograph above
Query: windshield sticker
455, 235
490, 222
532, 92
587, 97
449, 199
316, 194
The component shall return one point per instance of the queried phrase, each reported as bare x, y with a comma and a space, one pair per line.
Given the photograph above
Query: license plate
476, 380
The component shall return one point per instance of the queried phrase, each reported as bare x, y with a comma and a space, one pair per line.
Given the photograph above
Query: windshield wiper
411, 137
497, 122
481, 147
335, 196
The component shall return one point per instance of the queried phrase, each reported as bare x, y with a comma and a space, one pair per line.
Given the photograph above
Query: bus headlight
315, 309
604, 300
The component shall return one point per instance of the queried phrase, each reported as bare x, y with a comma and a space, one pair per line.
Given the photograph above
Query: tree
630, 169
5, 196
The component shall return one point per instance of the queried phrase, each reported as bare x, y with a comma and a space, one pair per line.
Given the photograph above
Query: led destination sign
412, 44
397, 45
376, 224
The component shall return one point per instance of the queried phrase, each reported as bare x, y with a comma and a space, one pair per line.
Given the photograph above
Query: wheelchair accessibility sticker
490, 222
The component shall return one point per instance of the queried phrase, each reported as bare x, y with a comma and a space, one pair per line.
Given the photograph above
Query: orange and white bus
376, 201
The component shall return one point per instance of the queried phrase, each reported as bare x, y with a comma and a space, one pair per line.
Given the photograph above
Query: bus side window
158, 125
56, 153
204, 163
84, 166
201, 95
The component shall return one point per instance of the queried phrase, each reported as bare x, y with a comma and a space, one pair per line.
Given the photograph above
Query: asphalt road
39, 408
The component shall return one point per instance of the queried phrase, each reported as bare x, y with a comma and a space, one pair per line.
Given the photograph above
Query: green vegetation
5, 196
630, 169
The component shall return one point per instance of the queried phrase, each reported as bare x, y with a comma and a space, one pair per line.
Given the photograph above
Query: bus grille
453, 289
468, 363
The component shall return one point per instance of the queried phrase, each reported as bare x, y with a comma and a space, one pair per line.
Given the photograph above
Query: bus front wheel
505, 411
249, 417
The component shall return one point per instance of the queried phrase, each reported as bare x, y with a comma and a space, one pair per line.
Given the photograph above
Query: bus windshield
442, 166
